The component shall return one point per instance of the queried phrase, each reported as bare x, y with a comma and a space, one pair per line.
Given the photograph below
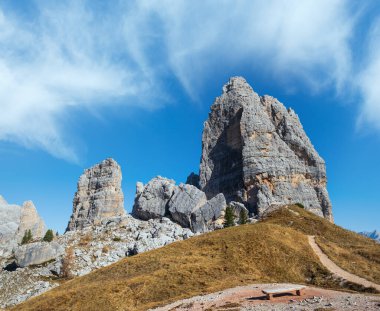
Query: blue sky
84, 80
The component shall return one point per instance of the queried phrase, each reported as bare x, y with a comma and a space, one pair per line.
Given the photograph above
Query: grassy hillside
274, 250
349, 250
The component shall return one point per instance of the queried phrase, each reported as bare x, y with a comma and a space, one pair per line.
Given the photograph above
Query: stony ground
246, 298
92, 248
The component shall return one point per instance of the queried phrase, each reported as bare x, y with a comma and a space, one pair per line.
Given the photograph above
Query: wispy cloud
368, 80
88, 54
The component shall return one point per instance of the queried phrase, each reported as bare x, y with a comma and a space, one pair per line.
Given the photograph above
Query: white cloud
86, 54
369, 81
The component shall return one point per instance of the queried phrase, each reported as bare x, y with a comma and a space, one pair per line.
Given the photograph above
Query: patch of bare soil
251, 297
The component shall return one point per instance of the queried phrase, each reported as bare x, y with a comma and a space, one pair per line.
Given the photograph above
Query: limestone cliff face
31, 220
255, 151
14, 221
98, 195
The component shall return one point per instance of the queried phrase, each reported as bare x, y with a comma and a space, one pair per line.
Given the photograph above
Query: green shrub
300, 205
27, 238
116, 239
49, 236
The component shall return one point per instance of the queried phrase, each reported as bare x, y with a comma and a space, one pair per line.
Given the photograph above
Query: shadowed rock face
255, 151
98, 195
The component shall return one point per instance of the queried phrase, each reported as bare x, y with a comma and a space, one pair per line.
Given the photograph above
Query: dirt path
333, 268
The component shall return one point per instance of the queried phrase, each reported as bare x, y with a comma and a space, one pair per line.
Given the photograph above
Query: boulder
37, 253
98, 196
206, 217
185, 200
152, 199
256, 152
237, 208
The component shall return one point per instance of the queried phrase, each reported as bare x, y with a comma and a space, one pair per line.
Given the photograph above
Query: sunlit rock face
256, 152
98, 195
15, 220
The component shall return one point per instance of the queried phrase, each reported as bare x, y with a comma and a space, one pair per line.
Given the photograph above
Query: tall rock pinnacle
255, 151
98, 195
15, 220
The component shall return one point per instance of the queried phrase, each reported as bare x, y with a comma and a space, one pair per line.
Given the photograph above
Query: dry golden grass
349, 250
275, 250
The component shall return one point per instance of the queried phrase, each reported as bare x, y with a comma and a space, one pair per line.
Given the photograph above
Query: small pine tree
49, 236
30, 236
243, 217
229, 217
27, 237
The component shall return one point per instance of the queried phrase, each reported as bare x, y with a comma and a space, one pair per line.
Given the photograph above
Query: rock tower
256, 152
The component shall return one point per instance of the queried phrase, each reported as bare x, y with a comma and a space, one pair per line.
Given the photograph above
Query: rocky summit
98, 195
256, 152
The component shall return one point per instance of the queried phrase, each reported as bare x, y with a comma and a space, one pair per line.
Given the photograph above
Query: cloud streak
89, 55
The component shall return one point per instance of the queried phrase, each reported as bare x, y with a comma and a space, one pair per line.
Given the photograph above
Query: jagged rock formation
14, 221
98, 195
185, 200
256, 152
152, 199
31, 220
185, 204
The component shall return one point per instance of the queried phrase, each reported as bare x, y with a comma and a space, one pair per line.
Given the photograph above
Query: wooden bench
270, 292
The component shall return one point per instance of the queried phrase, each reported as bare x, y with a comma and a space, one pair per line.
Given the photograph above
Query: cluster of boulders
255, 157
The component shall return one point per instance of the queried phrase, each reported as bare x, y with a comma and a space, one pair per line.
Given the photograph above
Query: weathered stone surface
185, 200
256, 152
14, 221
152, 199
37, 253
210, 215
237, 208
98, 195
30, 220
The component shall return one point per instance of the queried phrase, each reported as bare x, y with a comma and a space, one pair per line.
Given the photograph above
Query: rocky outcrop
14, 221
152, 199
210, 215
184, 204
98, 195
85, 250
30, 220
185, 200
37, 253
256, 152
